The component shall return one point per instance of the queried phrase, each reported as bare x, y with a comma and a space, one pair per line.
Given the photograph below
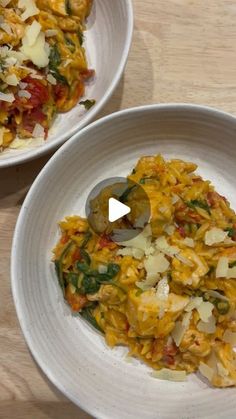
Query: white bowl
73, 355
107, 43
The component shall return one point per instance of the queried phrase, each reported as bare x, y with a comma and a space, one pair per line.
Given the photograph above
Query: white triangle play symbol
116, 210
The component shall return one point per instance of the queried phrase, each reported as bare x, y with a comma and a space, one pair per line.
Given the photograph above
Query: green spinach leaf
88, 103
87, 314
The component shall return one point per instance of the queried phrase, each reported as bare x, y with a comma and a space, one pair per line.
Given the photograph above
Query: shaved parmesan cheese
222, 267
32, 31
170, 375
174, 199
142, 241
178, 332
23, 85
51, 79
223, 372
7, 97
4, 3
10, 61
207, 327
24, 93
189, 242
12, 80
102, 269
18, 143
30, 8
131, 251
6, 28
229, 337
206, 371
156, 263
37, 52
180, 328
215, 235
163, 289
147, 284
51, 32
19, 56
38, 131
205, 310
184, 260
186, 319
194, 303
162, 244
36, 76
231, 272
169, 230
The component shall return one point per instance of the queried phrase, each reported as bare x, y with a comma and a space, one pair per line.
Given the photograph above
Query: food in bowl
43, 64
168, 294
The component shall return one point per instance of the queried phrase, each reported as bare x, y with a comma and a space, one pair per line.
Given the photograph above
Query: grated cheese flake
229, 337
29, 7
156, 263
207, 327
12, 80
231, 273
205, 310
24, 93
7, 97
215, 235
222, 267
32, 32
37, 53
38, 131
189, 242
206, 371
51, 79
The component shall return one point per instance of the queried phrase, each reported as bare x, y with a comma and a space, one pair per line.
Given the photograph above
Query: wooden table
183, 51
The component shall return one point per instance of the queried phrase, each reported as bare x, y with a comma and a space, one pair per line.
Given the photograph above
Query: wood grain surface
182, 51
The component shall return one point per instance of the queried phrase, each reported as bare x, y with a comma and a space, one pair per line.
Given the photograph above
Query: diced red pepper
38, 90
76, 255
105, 241
64, 239
181, 231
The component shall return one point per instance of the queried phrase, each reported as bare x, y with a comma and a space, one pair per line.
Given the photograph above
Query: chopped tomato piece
64, 239
181, 231
76, 301
38, 90
87, 74
76, 255
105, 241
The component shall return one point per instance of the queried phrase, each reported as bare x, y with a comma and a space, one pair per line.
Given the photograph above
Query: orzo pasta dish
168, 294
43, 67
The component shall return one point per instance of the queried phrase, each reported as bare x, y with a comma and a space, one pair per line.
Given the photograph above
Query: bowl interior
107, 42
72, 354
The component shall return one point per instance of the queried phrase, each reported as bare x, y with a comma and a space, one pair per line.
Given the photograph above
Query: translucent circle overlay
127, 192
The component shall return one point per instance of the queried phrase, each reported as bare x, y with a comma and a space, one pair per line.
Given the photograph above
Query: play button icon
116, 210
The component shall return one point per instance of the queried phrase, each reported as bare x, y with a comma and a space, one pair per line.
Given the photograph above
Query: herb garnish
125, 194
88, 103
200, 204
87, 314
54, 62
59, 266
68, 7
